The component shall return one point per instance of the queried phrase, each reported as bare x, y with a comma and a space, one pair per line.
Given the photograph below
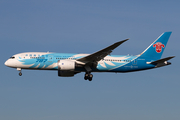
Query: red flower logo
158, 46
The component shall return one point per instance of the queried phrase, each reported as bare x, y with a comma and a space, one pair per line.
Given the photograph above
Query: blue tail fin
155, 50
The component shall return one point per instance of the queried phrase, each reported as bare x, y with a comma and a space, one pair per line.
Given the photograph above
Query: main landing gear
20, 73
88, 76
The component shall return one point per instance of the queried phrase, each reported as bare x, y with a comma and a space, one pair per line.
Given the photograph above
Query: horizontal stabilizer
161, 62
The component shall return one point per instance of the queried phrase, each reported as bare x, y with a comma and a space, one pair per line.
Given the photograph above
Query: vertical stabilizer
156, 49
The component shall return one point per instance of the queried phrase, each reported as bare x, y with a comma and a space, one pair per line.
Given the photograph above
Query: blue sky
85, 26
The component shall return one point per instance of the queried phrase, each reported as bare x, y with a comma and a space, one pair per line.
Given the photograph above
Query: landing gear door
50, 58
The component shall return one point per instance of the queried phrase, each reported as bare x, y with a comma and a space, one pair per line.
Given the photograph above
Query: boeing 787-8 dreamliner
68, 64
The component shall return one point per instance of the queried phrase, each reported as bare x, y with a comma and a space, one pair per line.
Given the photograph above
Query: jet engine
66, 65
66, 68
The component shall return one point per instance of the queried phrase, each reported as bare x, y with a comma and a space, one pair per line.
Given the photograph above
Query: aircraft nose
10, 63
6, 63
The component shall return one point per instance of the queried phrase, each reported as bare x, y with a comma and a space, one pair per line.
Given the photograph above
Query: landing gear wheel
88, 76
20, 74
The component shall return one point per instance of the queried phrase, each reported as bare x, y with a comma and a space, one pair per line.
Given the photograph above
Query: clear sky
86, 26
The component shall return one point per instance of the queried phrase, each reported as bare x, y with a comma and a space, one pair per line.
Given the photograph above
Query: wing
97, 56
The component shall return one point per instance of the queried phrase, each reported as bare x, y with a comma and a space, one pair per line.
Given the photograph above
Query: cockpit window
12, 57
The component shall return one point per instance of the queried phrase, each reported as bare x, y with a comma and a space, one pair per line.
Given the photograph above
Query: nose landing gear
20, 73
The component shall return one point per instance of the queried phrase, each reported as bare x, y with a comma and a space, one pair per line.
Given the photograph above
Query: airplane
68, 64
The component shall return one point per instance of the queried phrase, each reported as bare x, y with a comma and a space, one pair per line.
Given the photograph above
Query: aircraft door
50, 58
135, 62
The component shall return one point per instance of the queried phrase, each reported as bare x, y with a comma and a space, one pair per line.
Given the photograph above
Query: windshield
12, 57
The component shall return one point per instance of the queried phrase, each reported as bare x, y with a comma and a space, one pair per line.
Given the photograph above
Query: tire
20, 74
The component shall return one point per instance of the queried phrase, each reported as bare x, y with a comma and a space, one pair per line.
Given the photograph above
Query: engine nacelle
66, 65
66, 68
65, 73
